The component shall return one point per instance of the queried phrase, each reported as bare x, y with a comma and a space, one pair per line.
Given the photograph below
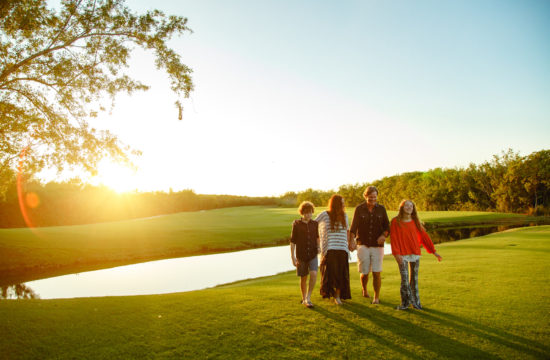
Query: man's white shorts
369, 259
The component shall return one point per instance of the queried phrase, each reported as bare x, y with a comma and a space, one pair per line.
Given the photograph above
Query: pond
162, 276
188, 273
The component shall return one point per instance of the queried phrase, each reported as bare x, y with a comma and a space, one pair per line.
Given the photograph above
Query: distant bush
539, 211
508, 183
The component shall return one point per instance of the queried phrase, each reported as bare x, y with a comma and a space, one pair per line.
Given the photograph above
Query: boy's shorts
304, 267
369, 259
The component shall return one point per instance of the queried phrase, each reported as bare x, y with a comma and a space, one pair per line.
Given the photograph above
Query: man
371, 227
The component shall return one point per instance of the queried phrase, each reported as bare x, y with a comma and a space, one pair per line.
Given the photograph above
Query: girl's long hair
414, 215
336, 212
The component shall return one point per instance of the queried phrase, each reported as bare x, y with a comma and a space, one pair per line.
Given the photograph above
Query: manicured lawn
30, 254
488, 299
467, 218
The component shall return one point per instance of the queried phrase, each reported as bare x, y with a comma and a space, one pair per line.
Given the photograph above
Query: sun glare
118, 177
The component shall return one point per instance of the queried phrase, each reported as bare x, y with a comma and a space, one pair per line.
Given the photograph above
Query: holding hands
352, 244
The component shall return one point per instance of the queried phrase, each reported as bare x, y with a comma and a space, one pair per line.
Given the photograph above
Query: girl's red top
406, 238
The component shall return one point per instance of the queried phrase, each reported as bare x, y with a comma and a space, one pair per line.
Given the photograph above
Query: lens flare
23, 199
32, 200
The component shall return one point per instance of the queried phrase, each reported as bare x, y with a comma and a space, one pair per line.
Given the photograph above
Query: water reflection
18, 291
189, 273
444, 235
171, 275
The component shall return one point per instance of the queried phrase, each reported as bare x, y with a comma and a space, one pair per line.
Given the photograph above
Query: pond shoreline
257, 316
433, 225
31, 273
38, 272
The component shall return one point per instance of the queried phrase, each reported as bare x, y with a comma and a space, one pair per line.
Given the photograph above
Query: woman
407, 234
335, 247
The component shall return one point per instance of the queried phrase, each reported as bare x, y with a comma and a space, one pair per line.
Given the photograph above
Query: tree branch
66, 44
63, 28
51, 85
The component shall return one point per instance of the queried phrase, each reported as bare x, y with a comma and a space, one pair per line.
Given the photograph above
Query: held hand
352, 243
381, 240
437, 256
294, 262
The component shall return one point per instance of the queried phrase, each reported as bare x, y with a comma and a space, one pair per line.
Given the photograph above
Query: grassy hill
27, 254
487, 299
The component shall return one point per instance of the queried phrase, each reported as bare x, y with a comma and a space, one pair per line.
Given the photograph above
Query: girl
407, 234
335, 247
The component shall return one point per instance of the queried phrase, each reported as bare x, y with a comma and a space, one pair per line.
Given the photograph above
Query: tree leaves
509, 183
57, 69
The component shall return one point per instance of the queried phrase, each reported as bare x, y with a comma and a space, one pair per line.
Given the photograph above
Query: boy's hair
369, 190
306, 206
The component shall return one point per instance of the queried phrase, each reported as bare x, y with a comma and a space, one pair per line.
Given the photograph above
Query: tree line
71, 203
508, 183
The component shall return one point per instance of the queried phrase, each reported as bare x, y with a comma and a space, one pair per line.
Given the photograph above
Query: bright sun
118, 177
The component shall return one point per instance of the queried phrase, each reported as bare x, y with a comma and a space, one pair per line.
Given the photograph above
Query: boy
304, 247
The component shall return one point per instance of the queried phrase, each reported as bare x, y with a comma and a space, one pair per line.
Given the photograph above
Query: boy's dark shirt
368, 226
305, 235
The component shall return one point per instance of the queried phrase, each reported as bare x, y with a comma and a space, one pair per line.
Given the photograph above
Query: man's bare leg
364, 282
377, 284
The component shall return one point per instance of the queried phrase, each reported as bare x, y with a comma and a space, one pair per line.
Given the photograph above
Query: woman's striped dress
332, 240
334, 264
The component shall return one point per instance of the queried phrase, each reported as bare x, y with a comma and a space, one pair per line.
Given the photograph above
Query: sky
291, 95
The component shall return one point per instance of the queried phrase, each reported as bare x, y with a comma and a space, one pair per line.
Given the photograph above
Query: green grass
466, 218
487, 299
31, 254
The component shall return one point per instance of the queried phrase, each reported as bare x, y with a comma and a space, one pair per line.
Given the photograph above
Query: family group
331, 236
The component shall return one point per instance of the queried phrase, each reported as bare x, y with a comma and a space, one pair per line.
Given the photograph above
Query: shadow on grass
496, 336
420, 335
366, 332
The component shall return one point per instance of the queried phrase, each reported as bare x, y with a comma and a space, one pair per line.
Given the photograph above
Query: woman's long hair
336, 212
414, 215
